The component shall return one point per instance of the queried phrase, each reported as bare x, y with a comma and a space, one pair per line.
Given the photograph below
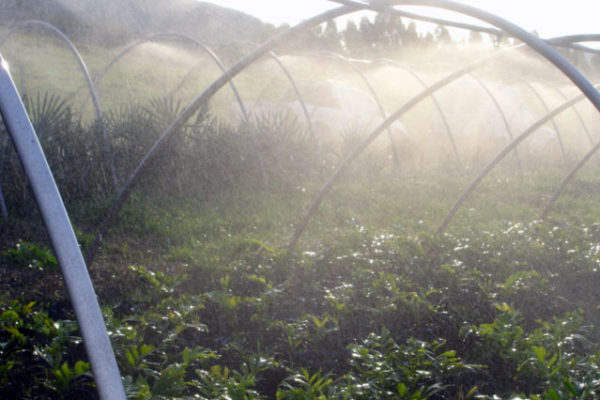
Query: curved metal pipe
194, 106
435, 101
579, 117
537, 44
553, 121
372, 91
292, 81
345, 163
502, 114
64, 242
453, 24
3, 208
594, 37
490, 166
190, 39
561, 188
290, 78
213, 56
566, 41
88, 79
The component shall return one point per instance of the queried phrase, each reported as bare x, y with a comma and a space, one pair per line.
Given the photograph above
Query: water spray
72, 265
435, 101
492, 164
88, 79
552, 121
535, 43
193, 107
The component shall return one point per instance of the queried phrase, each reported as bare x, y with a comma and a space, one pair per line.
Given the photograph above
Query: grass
202, 299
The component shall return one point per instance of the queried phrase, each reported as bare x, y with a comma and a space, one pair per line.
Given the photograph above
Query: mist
320, 211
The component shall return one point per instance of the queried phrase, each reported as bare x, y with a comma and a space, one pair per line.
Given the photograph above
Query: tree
442, 36
411, 37
353, 41
331, 38
475, 38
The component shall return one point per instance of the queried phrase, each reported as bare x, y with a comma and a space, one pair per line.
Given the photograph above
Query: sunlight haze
547, 18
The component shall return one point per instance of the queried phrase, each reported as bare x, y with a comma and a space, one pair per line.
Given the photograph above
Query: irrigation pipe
3, 207
373, 93
570, 41
453, 24
435, 101
88, 79
217, 61
296, 89
358, 149
565, 41
64, 242
490, 166
290, 78
167, 35
537, 44
561, 188
579, 117
193, 107
552, 121
502, 114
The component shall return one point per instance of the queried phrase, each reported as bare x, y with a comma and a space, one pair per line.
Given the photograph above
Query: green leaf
401, 389
570, 387
503, 307
81, 367
540, 353
471, 392
9, 316
553, 395
145, 349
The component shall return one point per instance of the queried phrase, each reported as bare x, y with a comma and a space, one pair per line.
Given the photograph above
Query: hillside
116, 21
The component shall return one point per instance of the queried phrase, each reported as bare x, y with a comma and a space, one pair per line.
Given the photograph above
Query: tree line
375, 36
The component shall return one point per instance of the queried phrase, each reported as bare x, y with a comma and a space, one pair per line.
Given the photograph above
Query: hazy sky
549, 18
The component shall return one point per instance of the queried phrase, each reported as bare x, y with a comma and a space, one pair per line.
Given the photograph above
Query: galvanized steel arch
372, 91
579, 117
574, 169
563, 185
537, 44
59, 228
571, 41
290, 78
435, 101
292, 81
537, 94
490, 166
344, 164
502, 114
180, 36
194, 106
84, 70
72, 48
349, 6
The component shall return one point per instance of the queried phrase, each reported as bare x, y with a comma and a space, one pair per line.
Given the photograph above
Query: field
204, 298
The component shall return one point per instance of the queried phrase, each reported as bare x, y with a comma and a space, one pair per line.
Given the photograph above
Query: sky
549, 18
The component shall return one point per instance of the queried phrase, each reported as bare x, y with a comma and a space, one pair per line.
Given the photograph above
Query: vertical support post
64, 242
